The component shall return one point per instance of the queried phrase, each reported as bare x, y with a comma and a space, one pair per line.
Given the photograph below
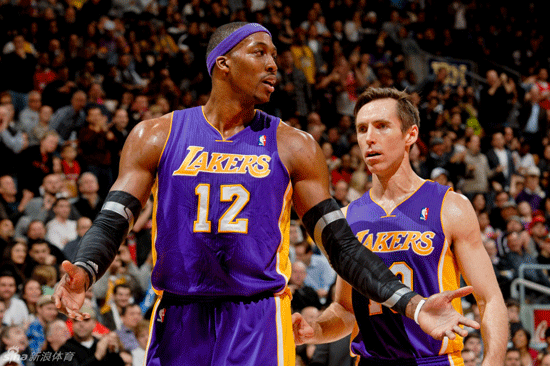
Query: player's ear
411, 135
223, 63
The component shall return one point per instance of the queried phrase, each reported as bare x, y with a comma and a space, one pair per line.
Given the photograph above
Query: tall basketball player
223, 177
425, 233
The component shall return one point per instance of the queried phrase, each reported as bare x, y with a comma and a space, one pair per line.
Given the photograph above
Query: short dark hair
222, 33
127, 307
406, 111
121, 285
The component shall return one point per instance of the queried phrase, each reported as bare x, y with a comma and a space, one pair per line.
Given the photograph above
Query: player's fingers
461, 292
468, 322
460, 331
69, 268
450, 334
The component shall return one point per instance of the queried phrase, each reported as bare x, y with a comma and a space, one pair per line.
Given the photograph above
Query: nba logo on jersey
161, 315
424, 214
262, 140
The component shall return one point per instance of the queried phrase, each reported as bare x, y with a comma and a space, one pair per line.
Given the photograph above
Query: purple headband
231, 41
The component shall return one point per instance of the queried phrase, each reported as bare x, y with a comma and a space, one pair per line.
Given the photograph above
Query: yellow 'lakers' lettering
424, 245
247, 164
216, 163
207, 162
361, 235
232, 161
380, 245
395, 241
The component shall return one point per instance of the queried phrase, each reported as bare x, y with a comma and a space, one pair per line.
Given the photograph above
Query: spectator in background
532, 191
513, 357
59, 92
13, 338
521, 339
513, 308
469, 357
302, 294
56, 334
501, 162
82, 225
13, 138
17, 72
43, 125
476, 179
340, 194
16, 311
6, 233
130, 317
121, 298
30, 294
495, 101
46, 312
87, 349
89, 201
320, 275
294, 96
120, 130
142, 336
68, 120
517, 256
15, 259
69, 163
473, 342
12, 202
37, 161
95, 142
30, 115
61, 230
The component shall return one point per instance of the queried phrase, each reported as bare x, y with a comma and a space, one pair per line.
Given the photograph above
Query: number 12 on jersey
228, 221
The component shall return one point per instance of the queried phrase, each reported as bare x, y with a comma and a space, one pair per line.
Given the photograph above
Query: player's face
380, 138
253, 68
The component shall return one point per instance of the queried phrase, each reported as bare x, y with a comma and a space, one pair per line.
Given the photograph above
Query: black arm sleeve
356, 264
99, 246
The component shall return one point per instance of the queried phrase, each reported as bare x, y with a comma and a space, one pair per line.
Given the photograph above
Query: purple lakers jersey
411, 242
221, 210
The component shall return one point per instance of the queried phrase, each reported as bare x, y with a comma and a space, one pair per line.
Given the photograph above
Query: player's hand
439, 319
70, 292
303, 332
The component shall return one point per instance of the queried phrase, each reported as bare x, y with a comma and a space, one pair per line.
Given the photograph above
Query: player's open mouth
372, 154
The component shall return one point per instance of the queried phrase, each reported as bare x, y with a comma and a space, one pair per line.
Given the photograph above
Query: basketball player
425, 233
223, 178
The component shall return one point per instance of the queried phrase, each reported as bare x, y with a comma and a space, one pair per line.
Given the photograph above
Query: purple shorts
254, 331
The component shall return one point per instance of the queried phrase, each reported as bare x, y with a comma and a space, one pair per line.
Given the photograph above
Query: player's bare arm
461, 226
336, 322
139, 161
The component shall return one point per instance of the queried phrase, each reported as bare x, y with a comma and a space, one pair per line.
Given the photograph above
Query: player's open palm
439, 319
70, 292
303, 332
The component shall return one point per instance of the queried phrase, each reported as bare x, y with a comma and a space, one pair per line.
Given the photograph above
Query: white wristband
417, 311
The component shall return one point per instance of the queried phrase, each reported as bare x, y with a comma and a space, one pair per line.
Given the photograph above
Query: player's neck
227, 114
394, 186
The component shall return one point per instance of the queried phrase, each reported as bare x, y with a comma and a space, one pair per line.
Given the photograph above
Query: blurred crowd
77, 75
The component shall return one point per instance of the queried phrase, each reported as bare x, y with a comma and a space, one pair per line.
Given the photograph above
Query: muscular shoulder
146, 140
458, 214
296, 147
